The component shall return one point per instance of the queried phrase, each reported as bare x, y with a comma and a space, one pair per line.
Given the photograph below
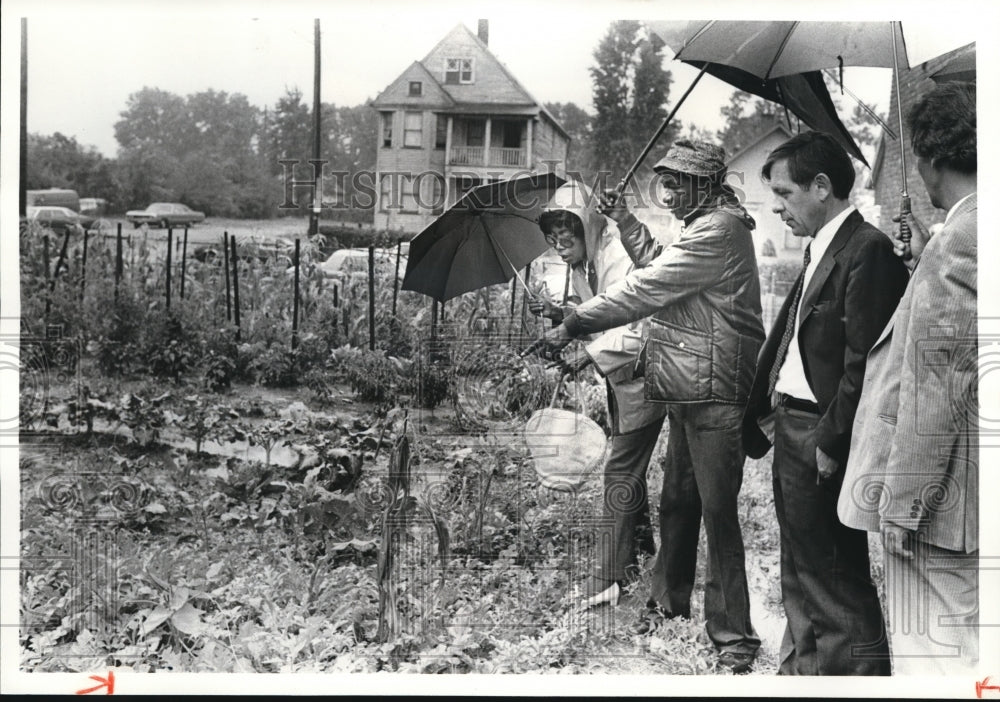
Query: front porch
485, 142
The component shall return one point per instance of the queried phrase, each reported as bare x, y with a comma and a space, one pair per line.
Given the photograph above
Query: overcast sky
86, 58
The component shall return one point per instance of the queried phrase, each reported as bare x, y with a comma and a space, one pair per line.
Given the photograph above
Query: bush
168, 348
119, 334
431, 383
372, 375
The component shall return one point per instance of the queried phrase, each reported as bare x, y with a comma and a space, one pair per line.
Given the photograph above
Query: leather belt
797, 404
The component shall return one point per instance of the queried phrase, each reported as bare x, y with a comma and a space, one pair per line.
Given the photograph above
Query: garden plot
201, 497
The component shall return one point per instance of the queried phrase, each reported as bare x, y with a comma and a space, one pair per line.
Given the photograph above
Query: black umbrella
483, 239
803, 94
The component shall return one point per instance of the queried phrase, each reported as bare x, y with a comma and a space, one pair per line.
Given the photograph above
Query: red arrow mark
984, 685
109, 683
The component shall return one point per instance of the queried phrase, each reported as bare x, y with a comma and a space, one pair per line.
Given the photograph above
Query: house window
387, 130
475, 133
457, 70
416, 88
441, 132
398, 192
408, 194
511, 135
413, 130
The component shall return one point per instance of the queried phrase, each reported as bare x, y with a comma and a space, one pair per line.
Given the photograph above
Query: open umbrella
483, 239
774, 49
805, 95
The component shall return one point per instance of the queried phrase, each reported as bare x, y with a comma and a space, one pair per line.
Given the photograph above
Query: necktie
793, 313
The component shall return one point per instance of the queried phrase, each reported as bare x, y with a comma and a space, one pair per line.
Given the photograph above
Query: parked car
248, 249
53, 197
344, 264
58, 219
165, 214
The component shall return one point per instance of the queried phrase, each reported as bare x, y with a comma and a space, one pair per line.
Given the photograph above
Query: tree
202, 150
747, 117
630, 95
577, 123
59, 161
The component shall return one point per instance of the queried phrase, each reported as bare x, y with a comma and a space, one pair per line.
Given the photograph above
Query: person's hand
554, 339
825, 466
613, 206
898, 541
919, 237
575, 362
541, 307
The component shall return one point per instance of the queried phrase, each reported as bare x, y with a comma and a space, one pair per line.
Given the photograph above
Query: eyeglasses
560, 243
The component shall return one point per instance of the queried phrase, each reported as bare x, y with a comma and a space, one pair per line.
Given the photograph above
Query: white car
348, 263
59, 219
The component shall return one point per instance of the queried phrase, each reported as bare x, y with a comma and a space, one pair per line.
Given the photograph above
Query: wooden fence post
236, 285
225, 272
83, 267
371, 298
184, 252
118, 258
170, 250
395, 279
295, 304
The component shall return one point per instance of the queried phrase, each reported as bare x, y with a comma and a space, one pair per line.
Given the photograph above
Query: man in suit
803, 399
913, 472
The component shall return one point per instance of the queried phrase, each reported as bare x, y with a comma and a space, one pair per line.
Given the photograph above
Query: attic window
416, 88
457, 70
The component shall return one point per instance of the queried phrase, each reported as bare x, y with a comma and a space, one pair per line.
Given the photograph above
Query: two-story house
453, 120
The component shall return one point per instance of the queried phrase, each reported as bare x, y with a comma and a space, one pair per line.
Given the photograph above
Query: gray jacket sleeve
695, 262
642, 248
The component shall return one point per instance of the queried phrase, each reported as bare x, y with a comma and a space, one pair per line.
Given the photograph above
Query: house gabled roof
506, 73
777, 127
398, 93
491, 83
493, 90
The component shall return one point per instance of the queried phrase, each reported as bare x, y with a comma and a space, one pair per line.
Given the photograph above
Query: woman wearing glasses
588, 242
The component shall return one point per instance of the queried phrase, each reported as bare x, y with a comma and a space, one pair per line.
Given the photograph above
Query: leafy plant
372, 375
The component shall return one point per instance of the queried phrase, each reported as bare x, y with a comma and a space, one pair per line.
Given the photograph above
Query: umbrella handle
904, 227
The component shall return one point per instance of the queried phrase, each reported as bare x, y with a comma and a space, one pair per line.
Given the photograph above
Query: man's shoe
738, 663
609, 595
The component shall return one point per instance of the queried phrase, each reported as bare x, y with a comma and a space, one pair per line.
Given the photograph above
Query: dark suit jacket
851, 295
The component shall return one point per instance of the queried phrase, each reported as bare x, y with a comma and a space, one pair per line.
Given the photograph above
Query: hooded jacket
703, 295
615, 351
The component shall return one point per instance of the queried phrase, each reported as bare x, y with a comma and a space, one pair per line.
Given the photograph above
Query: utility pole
22, 197
317, 193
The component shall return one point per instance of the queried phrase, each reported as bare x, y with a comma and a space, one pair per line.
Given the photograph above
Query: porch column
486, 141
447, 164
527, 153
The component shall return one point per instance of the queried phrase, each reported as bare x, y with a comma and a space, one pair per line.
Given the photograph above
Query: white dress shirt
792, 376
